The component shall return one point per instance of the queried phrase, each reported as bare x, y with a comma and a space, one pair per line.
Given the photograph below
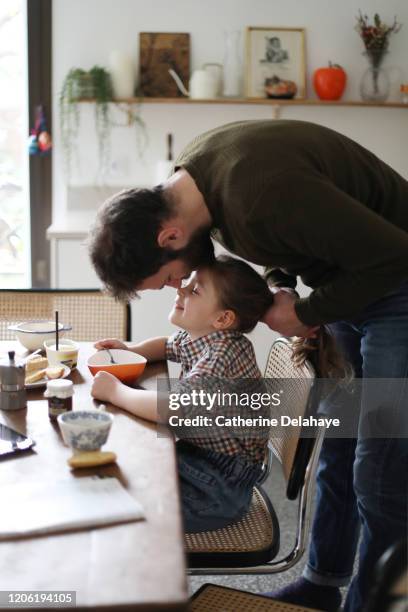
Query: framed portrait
158, 52
275, 61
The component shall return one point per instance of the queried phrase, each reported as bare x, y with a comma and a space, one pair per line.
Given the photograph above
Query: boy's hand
110, 343
103, 386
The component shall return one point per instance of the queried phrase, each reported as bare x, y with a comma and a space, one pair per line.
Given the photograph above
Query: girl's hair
241, 289
323, 353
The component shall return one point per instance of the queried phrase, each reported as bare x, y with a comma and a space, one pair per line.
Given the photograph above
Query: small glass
59, 393
404, 93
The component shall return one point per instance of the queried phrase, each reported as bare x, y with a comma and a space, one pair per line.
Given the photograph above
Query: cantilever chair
390, 582
92, 314
389, 592
216, 598
250, 545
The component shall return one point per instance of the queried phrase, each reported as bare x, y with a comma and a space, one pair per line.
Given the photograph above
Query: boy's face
197, 308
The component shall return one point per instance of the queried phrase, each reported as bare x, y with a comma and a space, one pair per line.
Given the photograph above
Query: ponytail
323, 353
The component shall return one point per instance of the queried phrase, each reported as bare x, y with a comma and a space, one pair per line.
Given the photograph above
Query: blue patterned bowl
85, 430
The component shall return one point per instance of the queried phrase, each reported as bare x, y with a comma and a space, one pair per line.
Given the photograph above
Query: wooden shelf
251, 101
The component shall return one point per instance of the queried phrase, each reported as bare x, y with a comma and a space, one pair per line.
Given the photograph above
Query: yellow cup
67, 353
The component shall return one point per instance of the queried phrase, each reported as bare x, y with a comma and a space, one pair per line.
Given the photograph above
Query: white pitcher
202, 85
216, 71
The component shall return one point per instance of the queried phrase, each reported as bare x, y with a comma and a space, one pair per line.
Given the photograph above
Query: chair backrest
92, 314
295, 385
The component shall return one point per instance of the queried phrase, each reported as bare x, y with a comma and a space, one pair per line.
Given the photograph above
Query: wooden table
133, 566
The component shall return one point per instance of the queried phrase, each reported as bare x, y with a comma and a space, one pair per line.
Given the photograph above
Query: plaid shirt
221, 355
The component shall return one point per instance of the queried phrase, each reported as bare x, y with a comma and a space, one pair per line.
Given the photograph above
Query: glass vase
232, 67
375, 84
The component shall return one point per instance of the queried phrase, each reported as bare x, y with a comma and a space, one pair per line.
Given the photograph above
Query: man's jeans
362, 483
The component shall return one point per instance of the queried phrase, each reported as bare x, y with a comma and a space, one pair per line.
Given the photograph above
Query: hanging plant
102, 86
70, 92
79, 85
94, 85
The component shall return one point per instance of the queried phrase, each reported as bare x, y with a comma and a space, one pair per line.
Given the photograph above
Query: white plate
43, 381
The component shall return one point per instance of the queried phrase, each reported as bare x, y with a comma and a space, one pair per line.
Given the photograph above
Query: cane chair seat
91, 313
255, 538
214, 598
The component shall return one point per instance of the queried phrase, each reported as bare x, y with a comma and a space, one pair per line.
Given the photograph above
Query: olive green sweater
301, 199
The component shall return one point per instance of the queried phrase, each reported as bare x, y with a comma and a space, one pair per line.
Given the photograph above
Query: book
36, 508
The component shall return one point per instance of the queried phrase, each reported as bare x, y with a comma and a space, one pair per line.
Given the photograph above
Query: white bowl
33, 334
85, 430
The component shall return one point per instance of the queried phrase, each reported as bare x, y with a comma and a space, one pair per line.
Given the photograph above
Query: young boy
217, 471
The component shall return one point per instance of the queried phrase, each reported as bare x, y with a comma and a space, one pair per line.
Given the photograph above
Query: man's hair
123, 243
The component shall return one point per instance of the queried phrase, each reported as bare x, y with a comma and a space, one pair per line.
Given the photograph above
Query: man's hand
104, 386
281, 317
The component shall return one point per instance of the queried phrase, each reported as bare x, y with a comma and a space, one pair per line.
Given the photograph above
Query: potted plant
94, 84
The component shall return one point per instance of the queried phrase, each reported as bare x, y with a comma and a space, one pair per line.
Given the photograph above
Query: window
25, 182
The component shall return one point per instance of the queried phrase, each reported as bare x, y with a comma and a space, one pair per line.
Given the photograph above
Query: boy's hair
241, 289
123, 243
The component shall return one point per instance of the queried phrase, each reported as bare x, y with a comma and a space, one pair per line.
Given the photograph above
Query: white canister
216, 72
122, 72
203, 85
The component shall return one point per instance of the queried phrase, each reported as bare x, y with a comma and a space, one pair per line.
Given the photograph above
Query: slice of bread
36, 363
55, 371
35, 376
91, 459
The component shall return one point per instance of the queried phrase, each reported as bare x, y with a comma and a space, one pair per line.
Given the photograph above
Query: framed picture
158, 52
274, 54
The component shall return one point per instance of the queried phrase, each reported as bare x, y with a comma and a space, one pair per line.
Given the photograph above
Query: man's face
198, 250
169, 275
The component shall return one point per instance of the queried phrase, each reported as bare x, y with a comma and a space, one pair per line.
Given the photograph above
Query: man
302, 200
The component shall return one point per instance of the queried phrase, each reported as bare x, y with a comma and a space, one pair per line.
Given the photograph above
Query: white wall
85, 31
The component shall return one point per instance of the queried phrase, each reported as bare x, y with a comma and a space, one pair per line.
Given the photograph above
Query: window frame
39, 47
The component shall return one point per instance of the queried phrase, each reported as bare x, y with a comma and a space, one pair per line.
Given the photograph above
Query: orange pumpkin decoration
330, 82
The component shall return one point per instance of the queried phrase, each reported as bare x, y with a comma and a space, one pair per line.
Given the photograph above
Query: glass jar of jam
59, 393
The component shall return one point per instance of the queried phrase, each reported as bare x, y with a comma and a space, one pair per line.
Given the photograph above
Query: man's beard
198, 252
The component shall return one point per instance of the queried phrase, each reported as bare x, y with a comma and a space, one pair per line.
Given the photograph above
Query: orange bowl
127, 368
